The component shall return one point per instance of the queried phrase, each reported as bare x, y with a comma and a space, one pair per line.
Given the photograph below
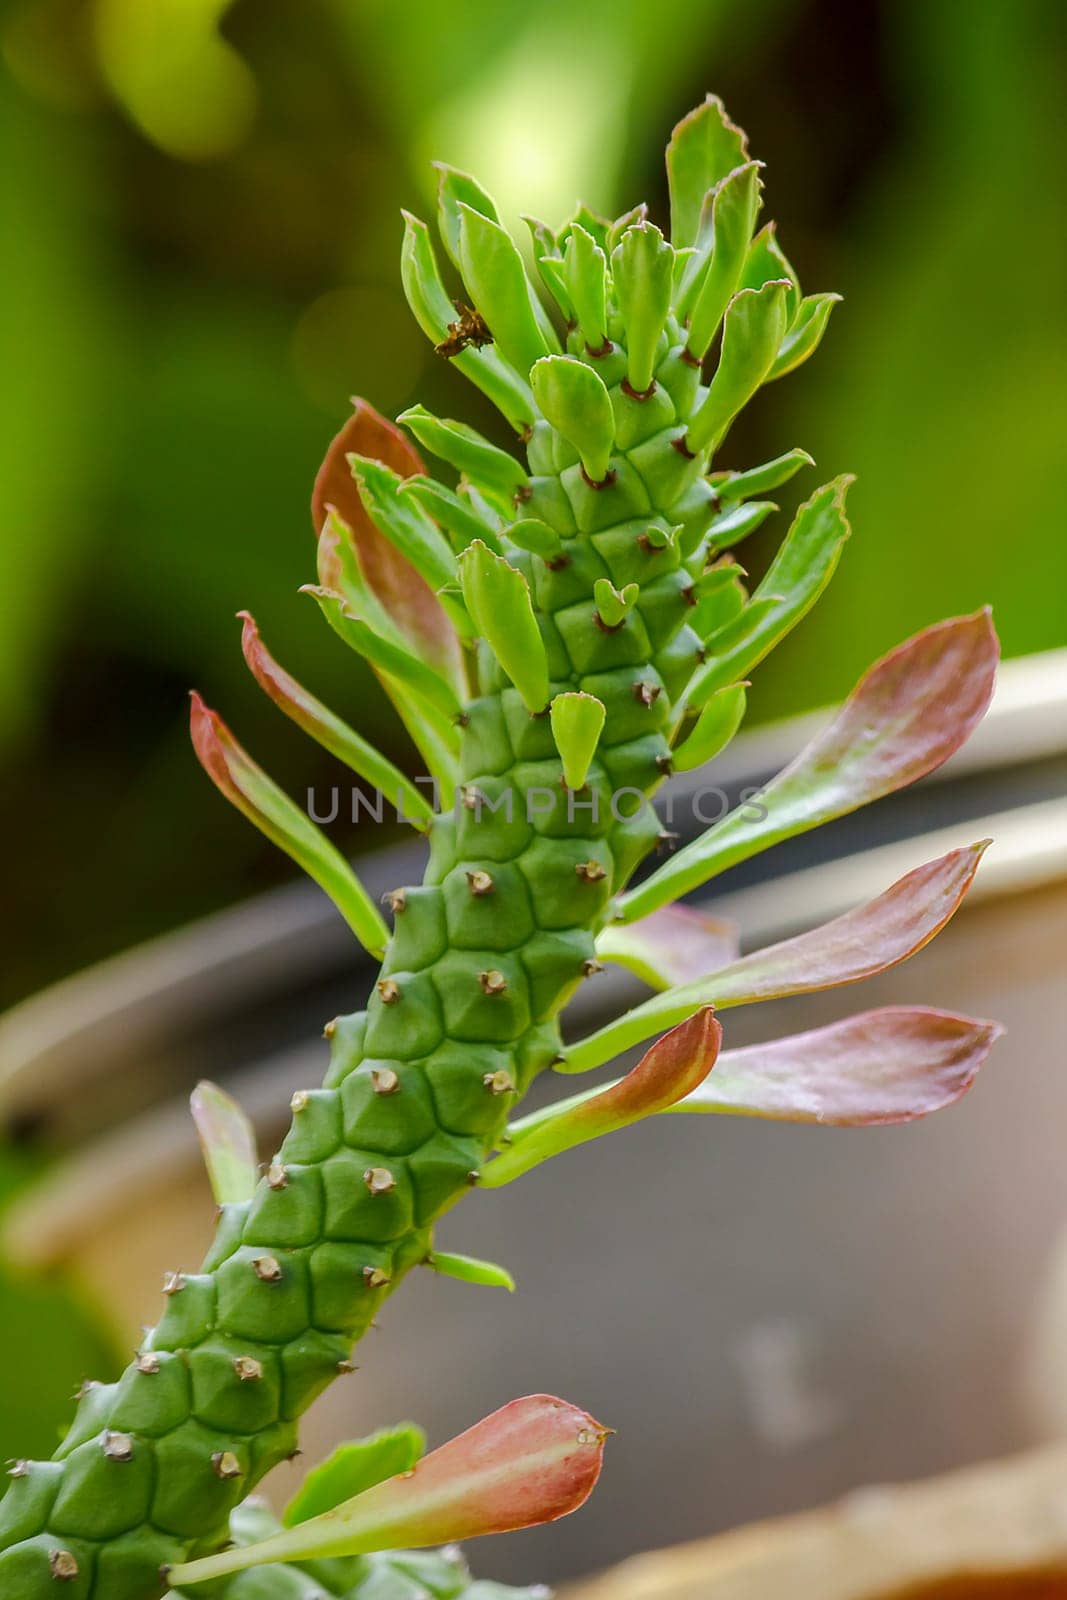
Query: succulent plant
559, 627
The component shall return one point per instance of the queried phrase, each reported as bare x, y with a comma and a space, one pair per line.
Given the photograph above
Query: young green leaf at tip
248, 787
353, 1468
671, 1069
585, 271
728, 221
577, 723
434, 312
493, 271
794, 581
499, 475
533, 1461
752, 336
703, 148
804, 335
455, 189
498, 599
572, 397
228, 1142
766, 260
642, 270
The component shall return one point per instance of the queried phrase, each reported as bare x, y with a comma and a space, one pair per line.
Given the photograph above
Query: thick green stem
482, 957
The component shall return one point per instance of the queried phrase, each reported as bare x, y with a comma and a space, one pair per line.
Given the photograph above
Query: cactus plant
558, 627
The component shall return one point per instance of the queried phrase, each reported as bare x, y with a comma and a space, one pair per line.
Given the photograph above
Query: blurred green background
199, 231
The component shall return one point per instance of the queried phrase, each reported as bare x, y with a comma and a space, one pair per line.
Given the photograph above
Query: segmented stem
483, 955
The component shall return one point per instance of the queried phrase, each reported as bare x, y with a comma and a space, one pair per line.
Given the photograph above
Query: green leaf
577, 723
636, 217
354, 1467
549, 259
492, 469
794, 581
719, 601
496, 278
752, 337
459, 519
574, 400
732, 216
596, 226
407, 528
585, 269
767, 262
670, 1070
468, 1269
642, 270
535, 536
911, 711
805, 335
248, 787
732, 486
454, 190
228, 1141
389, 659
713, 730
614, 605
329, 730
498, 599
736, 524
704, 147
433, 311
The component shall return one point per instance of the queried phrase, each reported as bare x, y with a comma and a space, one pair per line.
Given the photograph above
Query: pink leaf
401, 591
868, 939
907, 715
534, 1461
853, 946
883, 1066
666, 1073
673, 945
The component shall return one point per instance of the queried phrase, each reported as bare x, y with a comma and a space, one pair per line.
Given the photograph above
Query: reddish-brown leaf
858, 944
402, 592
666, 1073
891, 1065
533, 1461
908, 714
